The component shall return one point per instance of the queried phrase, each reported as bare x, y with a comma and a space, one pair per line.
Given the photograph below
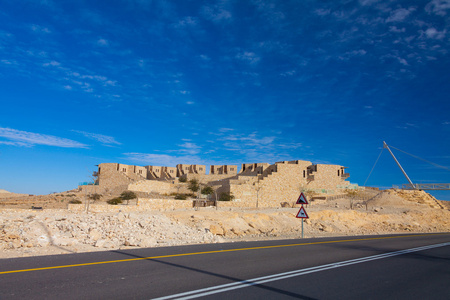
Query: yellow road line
209, 252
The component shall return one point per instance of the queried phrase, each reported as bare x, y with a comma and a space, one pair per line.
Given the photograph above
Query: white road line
250, 282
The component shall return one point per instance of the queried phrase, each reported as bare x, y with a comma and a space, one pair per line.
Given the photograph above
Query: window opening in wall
201, 169
157, 170
339, 172
171, 171
187, 168
304, 173
140, 171
231, 169
124, 170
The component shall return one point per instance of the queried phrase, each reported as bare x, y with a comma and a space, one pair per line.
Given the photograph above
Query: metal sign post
302, 215
302, 228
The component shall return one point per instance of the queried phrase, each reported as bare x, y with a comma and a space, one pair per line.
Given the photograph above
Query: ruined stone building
265, 183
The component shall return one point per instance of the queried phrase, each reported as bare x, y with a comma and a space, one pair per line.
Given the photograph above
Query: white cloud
433, 33
104, 139
225, 129
190, 148
290, 145
402, 61
249, 57
190, 102
400, 14
438, 7
322, 12
288, 73
39, 29
359, 52
250, 140
52, 63
24, 138
18, 144
8, 62
216, 13
187, 21
110, 83
396, 30
102, 42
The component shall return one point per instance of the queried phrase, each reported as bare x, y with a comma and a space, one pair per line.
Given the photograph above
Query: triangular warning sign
302, 214
301, 199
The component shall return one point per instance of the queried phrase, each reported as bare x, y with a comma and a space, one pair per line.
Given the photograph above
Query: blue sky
222, 82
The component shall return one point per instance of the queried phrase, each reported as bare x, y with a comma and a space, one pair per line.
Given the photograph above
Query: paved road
376, 267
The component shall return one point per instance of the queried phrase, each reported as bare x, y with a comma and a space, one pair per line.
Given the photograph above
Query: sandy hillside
26, 232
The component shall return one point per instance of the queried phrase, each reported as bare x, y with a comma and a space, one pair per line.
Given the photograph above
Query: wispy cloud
102, 42
225, 129
250, 140
400, 14
51, 63
18, 144
433, 33
190, 148
249, 57
24, 138
438, 7
104, 139
217, 12
39, 29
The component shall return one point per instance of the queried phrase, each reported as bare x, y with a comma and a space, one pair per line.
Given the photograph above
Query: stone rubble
26, 232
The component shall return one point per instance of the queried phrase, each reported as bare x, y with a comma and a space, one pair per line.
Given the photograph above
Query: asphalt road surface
415, 266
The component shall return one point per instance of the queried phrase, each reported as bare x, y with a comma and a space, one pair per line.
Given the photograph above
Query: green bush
193, 185
95, 197
128, 195
181, 197
182, 179
75, 201
207, 190
114, 201
226, 197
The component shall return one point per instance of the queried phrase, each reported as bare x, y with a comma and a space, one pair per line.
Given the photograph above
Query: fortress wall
150, 186
109, 177
326, 177
209, 178
282, 185
277, 183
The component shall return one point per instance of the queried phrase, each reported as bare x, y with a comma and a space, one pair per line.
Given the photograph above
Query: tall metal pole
404, 173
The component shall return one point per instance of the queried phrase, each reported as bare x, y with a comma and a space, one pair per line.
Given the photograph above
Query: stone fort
269, 184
